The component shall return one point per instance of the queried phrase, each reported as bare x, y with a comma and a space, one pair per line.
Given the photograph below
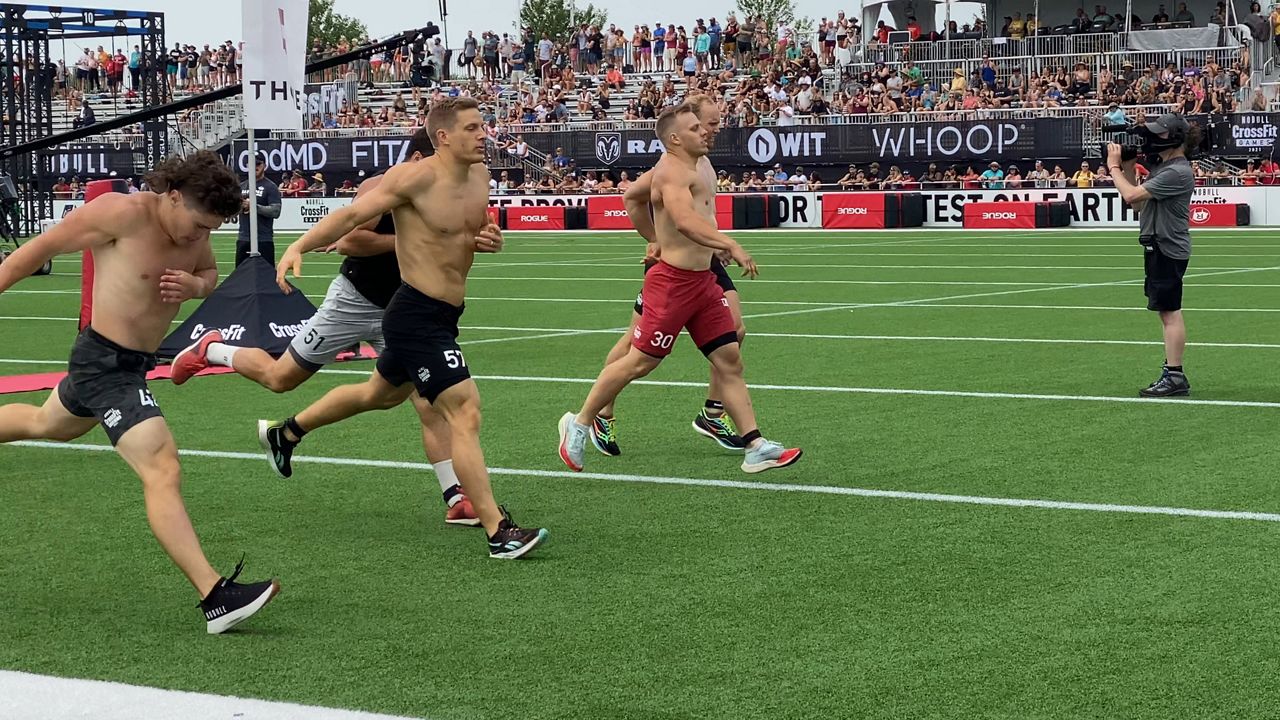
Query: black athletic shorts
1163, 285
421, 335
722, 279
108, 382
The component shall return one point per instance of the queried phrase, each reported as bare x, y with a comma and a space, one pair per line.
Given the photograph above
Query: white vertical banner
275, 57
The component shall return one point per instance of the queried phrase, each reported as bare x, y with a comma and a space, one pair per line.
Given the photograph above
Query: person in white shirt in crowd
1039, 176
786, 115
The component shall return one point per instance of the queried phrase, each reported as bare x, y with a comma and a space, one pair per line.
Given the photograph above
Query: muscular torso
435, 234
673, 247
126, 281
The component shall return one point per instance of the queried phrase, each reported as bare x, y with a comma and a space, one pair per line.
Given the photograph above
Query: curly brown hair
202, 178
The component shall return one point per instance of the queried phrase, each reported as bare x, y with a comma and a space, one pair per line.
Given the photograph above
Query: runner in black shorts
422, 343
711, 420
351, 313
108, 382
440, 205
151, 253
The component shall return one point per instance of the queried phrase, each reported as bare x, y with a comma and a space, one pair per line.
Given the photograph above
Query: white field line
727, 484
41, 697
1109, 308
1077, 286
879, 391
1127, 267
569, 332
1128, 255
637, 281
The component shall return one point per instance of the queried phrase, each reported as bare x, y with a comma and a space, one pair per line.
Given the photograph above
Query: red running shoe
193, 358
462, 514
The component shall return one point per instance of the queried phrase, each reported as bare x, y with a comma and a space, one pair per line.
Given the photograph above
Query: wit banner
275, 59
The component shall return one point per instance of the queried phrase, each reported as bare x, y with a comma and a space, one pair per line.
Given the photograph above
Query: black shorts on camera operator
1163, 203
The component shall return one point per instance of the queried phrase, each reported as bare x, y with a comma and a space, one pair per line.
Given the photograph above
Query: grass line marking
726, 484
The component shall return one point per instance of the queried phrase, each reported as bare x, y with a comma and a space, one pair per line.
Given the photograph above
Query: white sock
221, 354
448, 480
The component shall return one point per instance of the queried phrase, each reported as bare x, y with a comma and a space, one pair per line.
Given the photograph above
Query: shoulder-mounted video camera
1151, 138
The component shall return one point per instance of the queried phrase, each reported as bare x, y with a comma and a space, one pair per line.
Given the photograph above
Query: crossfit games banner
1246, 135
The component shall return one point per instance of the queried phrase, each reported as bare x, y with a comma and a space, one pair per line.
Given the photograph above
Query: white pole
253, 195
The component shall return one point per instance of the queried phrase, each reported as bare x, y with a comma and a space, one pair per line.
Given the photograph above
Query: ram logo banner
608, 147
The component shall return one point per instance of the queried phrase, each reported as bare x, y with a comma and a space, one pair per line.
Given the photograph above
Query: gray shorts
343, 320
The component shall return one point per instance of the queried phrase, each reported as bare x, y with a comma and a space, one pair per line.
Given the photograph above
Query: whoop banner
275, 49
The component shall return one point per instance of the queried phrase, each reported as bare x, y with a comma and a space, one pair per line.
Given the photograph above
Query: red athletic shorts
673, 299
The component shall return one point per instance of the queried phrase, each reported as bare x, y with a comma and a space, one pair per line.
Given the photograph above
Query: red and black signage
872, 210
1024, 215
534, 218
607, 212
1220, 215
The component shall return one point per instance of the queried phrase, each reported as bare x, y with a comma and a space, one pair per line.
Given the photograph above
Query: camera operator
268, 210
1164, 206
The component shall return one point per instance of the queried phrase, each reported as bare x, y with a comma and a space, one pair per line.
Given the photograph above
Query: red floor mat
48, 381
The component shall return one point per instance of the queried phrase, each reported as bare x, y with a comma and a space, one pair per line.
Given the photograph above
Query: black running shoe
279, 448
720, 430
512, 541
604, 435
230, 603
1171, 384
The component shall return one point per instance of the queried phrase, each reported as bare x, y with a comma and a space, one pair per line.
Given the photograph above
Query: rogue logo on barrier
1199, 216
608, 147
764, 145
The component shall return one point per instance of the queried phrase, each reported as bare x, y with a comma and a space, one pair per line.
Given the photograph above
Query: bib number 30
661, 340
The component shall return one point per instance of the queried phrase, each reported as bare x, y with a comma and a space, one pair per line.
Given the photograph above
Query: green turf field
982, 365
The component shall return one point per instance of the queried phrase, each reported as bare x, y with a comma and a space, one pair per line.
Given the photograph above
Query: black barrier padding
912, 209
1242, 214
772, 210
1059, 214
755, 212
739, 212
1042, 214
892, 210
575, 218
502, 218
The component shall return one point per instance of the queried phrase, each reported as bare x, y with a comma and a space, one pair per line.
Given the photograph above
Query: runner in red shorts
710, 421
681, 292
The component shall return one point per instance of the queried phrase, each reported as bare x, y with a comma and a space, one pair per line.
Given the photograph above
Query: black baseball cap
1172, 123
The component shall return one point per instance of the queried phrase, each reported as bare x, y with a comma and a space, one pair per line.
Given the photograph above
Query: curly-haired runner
151, 253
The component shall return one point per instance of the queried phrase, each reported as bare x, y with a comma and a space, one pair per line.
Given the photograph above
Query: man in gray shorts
351, 312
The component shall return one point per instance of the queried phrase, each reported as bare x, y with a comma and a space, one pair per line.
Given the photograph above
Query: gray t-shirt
1167, 215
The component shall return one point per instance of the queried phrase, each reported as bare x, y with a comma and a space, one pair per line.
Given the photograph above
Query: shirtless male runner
681, 292
151, 253
351, 312
711, 420
440, 205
